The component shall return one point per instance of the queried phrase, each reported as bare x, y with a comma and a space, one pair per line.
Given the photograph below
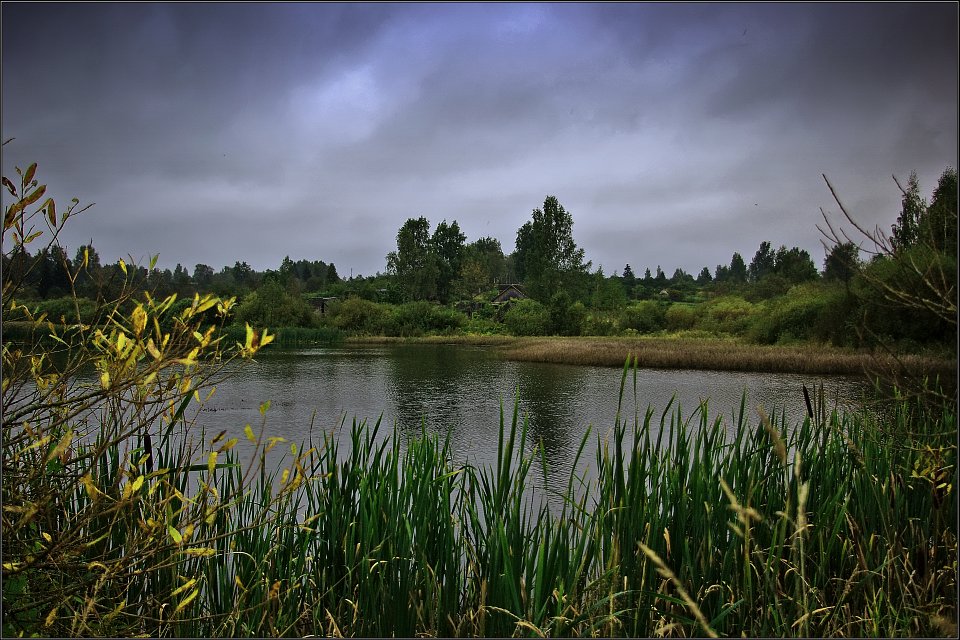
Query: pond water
459, 390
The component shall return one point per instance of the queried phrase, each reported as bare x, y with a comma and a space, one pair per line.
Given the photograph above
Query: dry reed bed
720, 355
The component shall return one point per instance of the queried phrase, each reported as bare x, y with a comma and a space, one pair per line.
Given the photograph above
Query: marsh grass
718, 354
842, 525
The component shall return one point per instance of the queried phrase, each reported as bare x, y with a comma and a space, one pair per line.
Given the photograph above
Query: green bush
271, 306
527, 318
420, 318
566, 318
646, 316
909, 297
356, 315
728, 314
65, 310
680, 317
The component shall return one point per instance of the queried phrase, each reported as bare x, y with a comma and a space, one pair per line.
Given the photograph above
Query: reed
718, 354
842, 525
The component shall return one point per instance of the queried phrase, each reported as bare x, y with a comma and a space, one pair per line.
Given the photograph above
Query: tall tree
763, 262
738, 270
547, 256
938, 228
413, 262
203, 276
795, 265
447, 247
332, 277
842, 262
907, 228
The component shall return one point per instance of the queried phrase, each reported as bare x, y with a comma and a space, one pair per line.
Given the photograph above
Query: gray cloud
675, 134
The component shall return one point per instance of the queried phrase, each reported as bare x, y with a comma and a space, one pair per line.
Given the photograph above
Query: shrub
645, 316
680, 317
272, 306
419, 318
357, 315
98, 535
527, 318
728, 314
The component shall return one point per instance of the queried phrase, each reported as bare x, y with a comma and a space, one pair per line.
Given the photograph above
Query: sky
674, 134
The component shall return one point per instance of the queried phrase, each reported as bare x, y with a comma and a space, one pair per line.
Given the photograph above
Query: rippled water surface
458, 391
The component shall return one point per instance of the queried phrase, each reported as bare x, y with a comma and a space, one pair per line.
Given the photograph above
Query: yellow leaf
187, 600
212, 461
105, 380
47, 537
91, 488
123, 266
189, 583
200, 552
61, 446
283, 478
248, 343
39, 443
174, 534
264, 408
249, 433
30, 172
266, 339
139, 317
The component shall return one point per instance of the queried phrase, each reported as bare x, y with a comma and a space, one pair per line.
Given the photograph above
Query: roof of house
508, 292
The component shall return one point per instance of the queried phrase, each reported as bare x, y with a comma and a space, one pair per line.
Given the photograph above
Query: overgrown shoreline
716, 354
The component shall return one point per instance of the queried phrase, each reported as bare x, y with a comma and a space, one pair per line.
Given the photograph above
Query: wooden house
509, 292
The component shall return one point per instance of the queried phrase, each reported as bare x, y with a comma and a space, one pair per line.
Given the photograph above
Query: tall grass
722, 355
842, 525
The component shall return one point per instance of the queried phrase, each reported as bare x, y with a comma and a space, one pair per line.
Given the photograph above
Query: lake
458, 391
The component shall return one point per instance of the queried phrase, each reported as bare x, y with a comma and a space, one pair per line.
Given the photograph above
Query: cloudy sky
674, 134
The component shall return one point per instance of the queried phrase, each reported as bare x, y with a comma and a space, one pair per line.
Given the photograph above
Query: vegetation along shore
122, 517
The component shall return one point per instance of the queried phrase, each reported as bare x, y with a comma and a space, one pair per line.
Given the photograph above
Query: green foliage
680, 317
356, 315
738, 270
806, 312
608, 293
728, 314
527, 318
906, 231
420, 318
938, 228
566, 318
763, 263
414, 262
646, 316
842, 262
271, 306
547, 258
447, 245
99, 536
908, 296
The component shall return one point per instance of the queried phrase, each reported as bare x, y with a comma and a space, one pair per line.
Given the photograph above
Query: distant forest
843, 301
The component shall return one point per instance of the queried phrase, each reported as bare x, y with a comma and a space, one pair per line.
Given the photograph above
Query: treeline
438, 282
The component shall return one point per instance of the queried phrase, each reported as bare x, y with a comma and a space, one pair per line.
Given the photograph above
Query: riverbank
715, 354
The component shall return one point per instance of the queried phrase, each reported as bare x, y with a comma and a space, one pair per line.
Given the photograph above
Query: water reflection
457, 391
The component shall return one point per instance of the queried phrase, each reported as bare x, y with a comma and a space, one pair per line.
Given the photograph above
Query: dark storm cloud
676, 134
